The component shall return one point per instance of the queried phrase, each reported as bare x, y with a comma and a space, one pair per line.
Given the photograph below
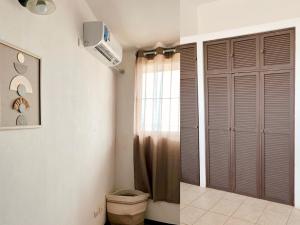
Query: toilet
126, 207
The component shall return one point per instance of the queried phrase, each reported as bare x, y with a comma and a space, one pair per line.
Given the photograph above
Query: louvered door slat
245, 53
189, 131
245, 138
277, 100
277, 136
217, 102
219, 159
188, 62
245, 145
189, 103
217, 132
277, 49
189, 155
277, 173
217, 57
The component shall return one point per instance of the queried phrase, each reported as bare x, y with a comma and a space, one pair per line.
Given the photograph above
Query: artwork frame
39, 88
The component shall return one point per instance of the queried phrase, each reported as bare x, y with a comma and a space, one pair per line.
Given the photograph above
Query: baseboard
150, 222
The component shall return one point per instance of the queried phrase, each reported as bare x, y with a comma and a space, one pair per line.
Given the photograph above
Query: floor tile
197, 188
189, 215
256, 202
233, 197
208, 200
184, 186
294, 217
206, 206
275, 214
188, 196
233, 221
226, 206
182, 206
250, 210
217, 192
211, 218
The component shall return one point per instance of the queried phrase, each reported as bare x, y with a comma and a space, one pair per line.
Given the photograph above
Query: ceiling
140, 23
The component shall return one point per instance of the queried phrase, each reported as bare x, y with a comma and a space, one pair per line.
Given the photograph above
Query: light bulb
41, 7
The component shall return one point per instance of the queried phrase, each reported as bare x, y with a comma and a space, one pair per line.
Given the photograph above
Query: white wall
232, 33
59, 174
221, 15
188, 17
124, 122
204, 16
159, 211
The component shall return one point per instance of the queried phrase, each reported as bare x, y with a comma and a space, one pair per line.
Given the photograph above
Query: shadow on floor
149, 222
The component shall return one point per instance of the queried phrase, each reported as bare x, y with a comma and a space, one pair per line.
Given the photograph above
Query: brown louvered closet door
277, 135
245, 54
277, 50
250, 114
218, 133
245, 136
217, 57
189, 131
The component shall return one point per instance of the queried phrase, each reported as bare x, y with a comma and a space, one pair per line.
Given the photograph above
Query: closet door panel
188, 61
190, 155
217, 58
245, 128
189, 131
189, 103
219, 159
245, 145
218, 134
245, 53
278, 135
276, 168
218, 102
277, 50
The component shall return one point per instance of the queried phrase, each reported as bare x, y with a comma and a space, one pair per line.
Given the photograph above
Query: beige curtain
156, 141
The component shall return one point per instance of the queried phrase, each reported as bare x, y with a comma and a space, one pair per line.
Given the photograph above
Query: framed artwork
20, 88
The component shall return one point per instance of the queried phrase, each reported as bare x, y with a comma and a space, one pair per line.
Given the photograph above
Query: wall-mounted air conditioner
100, 41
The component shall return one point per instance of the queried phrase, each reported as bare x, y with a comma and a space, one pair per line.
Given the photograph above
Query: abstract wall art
20, 100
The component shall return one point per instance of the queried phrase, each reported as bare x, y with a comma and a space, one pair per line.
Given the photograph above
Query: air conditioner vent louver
106, 53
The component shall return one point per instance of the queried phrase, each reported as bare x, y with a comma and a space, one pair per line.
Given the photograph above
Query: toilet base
115, 219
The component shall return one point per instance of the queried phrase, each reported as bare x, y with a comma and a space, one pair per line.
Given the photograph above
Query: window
159, 95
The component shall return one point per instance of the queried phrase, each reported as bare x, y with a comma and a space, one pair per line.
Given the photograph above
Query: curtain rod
154, 52
157, 51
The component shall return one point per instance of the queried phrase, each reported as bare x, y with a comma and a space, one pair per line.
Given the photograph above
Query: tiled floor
205, 206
